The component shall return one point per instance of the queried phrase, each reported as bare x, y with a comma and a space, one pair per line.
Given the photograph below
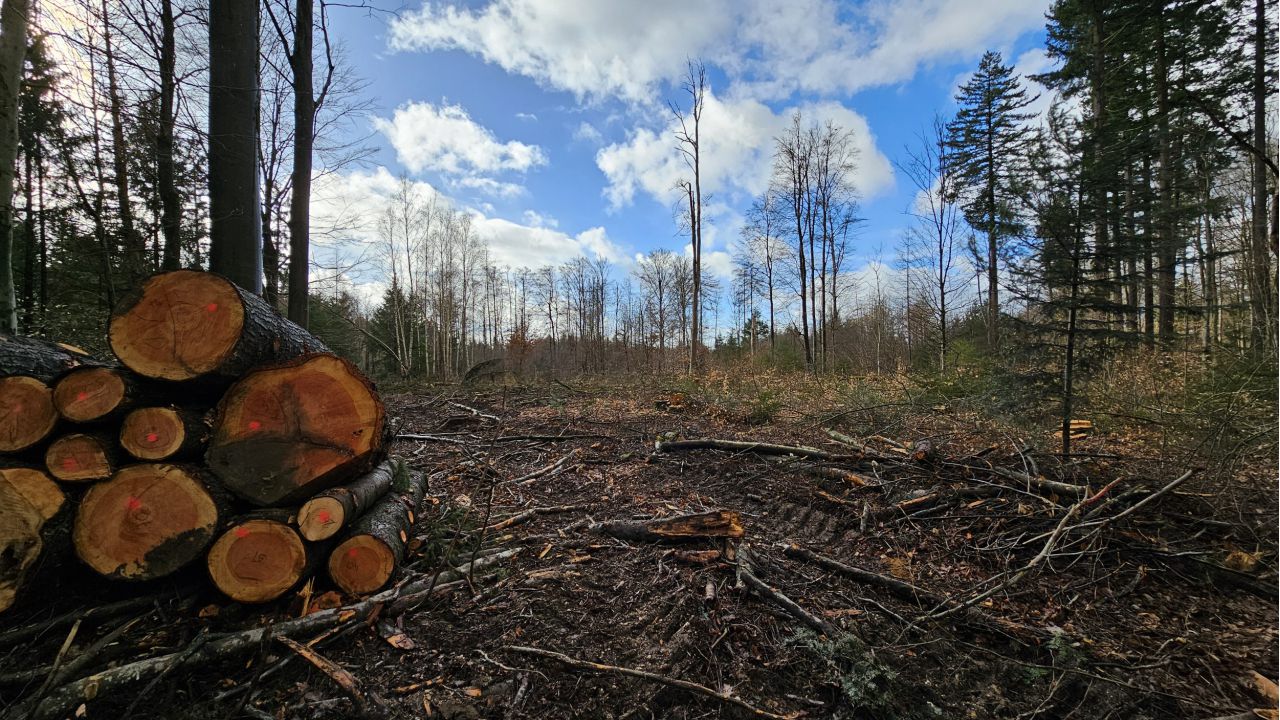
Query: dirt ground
1165, 612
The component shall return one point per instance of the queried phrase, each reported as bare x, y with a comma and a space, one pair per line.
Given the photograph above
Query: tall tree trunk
44, 237
235, 246
1261, 295
166, 181
13, 51
304, 111
135, 251
1167, 245
28, 239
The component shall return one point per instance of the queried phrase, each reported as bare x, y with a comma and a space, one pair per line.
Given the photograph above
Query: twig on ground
652, 677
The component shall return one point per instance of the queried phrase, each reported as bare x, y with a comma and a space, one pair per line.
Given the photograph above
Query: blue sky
548, 118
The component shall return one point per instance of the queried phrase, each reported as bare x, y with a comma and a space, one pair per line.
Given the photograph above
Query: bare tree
13, 50
689, 137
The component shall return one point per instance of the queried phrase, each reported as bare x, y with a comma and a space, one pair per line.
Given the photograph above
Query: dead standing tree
689, 136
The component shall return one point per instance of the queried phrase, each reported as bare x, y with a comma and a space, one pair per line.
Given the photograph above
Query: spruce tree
990, 137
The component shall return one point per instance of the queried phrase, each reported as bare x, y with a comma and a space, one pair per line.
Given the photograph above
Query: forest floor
1166, 610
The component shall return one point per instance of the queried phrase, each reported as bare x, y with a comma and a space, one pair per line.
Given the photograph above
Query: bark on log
40, 359
164, 433
186, 324
95, 394
82, 457
324, 515
29, 504
366, 560
145, 522
27, 414
718, 524
259, 557
283, 433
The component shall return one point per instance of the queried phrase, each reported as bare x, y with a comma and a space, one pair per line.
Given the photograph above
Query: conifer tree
989, 137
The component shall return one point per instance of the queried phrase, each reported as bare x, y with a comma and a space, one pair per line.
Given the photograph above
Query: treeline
111, 174
1138, 211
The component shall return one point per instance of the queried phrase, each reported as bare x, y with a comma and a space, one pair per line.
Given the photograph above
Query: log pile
220, 433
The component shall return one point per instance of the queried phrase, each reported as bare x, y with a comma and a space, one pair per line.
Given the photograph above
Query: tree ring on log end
284, 432
78, 458
27, 414
152, 433
321, 518
257, 560
20, 541
361, 564
37, 487
88, 394
180, 325
145, 522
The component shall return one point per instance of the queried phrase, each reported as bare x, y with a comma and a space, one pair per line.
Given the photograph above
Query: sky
549, 120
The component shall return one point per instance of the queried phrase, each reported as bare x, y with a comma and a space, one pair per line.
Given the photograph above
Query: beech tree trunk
164, 433
304, 115
82, 457
324, 515
13, 52
145, 522
285, 432
187, 324
371, 553
258, 558
29, 501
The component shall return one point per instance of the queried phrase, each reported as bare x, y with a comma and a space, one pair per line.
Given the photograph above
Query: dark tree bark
170, 202
304, 120
13, 51
1262, 295
134, 246
235, 248
371, 553
324, 515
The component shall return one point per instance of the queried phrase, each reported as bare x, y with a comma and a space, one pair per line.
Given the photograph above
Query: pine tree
990, 137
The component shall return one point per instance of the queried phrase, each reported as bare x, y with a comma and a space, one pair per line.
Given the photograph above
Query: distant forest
1138, 213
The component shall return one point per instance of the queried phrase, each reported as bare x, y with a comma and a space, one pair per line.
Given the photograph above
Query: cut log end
153, 433
145, 522
20, 541
321, 518
257, 560
79, 457
88, 394
180, 325
36, 487
284, 433
27, 413
361, 564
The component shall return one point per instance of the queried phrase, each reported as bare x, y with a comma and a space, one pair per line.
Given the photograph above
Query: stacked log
214, 422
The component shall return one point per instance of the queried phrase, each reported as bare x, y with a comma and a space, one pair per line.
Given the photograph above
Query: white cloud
445, 139
624, 49
489, 186
588, 133
527, 117
536, 219
515, 245
737, 152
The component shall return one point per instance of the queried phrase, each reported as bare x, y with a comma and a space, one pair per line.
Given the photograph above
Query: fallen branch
652, 677
899, 588
716, 524
548, 470
792, 608
758, 448
338, 674
473, 411
532, 513
389, 603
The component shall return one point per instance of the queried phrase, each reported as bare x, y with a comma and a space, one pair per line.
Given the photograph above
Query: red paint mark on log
211, 307
352, 553
242, 532
254, 424
132, 504
324, 517
70, 464
152, 437
82, 396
